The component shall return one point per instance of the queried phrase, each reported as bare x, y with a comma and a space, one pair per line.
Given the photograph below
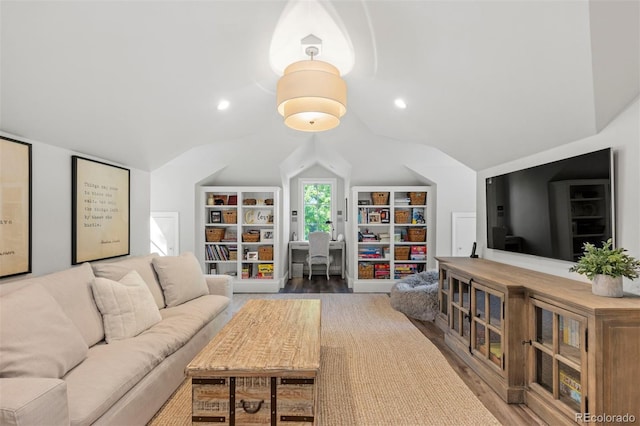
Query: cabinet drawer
259, 400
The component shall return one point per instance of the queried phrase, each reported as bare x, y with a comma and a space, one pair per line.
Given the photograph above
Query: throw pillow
37, 339
115, 270
127, 306
180, 277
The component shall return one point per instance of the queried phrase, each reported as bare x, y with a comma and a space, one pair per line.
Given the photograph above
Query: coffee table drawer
249, 400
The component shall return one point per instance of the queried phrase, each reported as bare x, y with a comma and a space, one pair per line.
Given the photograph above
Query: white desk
304, 246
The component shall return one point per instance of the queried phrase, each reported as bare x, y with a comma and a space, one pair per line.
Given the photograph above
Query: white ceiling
137, 82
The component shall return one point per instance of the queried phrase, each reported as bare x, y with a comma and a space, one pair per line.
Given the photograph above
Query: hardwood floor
317, 284
507, 414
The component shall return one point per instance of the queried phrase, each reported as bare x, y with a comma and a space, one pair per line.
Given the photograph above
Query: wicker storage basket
214, 235
365, 271
402, 252
249, 202
416, 235
265, 253
268, 201
380, 198
418, 198
230, 216
233, 255
401, 216
250, 237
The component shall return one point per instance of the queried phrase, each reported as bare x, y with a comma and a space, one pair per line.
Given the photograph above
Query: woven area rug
377, 368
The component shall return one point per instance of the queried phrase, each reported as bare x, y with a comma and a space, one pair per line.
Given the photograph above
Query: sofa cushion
180, 277
37, 339
33, 401
112, 370
127, 306
141, 264
108, 373
71, 288
203, 308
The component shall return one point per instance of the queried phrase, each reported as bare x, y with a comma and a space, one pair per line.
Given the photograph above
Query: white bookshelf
386, 242
231, 219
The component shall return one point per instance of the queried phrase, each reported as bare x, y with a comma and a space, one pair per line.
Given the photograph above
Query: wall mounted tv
552, 209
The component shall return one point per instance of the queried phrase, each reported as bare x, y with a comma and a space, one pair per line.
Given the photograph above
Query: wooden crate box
252, 400
260, 373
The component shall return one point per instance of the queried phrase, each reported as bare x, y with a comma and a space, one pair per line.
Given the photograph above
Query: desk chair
319, 251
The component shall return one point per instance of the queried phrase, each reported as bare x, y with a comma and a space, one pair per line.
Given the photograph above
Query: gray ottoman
416, 296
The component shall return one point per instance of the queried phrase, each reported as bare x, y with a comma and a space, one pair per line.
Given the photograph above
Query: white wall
623, 135
51, 209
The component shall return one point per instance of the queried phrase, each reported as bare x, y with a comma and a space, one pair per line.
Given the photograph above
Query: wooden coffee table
262, 367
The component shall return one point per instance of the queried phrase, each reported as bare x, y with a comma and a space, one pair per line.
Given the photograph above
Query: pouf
416, 296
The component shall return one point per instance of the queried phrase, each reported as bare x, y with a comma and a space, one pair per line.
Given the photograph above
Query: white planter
606, 285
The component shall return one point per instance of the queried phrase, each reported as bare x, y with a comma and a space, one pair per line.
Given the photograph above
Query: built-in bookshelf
241, 236
580, 213
391, 236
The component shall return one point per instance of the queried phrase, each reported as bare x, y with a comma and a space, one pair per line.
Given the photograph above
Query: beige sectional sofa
100, 344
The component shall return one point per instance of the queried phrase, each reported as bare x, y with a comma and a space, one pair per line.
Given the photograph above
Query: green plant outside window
317, 208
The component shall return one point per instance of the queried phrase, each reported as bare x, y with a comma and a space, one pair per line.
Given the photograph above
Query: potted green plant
605, 266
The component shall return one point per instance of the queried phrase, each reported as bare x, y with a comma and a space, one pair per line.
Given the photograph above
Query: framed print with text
15, 207
100, 210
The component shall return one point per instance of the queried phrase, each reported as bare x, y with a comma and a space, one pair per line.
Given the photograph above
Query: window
317, 205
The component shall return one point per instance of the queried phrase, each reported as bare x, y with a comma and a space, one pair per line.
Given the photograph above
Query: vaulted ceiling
138, 82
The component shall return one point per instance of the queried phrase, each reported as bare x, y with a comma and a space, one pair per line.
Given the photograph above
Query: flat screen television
552, 209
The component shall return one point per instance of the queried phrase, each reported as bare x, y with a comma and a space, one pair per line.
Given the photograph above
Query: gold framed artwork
15, 207
100, 210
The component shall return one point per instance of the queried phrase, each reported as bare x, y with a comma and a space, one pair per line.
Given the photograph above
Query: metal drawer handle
246, 406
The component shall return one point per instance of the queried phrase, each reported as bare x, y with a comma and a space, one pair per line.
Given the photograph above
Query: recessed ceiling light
400, 103
223, 104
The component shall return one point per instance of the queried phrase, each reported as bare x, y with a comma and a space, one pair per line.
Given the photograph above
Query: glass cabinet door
486, 324
557, 355
443, 298
460, 293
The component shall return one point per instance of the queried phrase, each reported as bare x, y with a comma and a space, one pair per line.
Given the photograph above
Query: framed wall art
100, 210
15, 207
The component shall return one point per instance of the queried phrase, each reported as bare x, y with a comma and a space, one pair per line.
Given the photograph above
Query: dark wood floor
507, 414
317, 284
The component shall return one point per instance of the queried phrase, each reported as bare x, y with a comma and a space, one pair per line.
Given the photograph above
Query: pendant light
311, 95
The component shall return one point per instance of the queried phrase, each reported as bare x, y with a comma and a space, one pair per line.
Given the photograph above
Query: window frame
333, 182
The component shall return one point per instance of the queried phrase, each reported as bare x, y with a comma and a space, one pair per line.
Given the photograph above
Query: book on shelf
230, 235
381, 271
404, 269
369, 238
216, 252
570, 387
373, 215
265, 270
418, 253
369, 253
571, 332
417, 215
